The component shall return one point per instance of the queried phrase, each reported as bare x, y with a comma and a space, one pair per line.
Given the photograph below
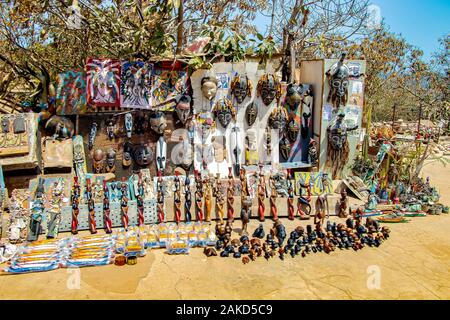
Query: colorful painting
71, 93
314, 179
136, 84
103, 82
167, 85
223, 81
355, 70
357, 93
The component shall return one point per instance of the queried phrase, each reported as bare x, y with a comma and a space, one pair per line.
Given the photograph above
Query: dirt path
413, 264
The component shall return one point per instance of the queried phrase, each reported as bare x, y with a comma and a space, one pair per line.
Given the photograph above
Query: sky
420, 22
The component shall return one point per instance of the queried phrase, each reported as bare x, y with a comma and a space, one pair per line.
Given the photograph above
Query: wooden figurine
290, 199
273, 200
208, 197
262, 190
177, 198
220, 199
198, 197
230, 195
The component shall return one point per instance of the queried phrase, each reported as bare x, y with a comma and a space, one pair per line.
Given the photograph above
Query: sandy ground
413, 264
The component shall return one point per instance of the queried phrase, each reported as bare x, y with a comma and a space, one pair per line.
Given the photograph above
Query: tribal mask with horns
293, 129
294, 95
338, 78
224, 111
269, 88
278, 118
241, 87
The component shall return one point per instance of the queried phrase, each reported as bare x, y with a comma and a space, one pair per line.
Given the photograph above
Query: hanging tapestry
168, 84
136, 84
71, 93
103, 81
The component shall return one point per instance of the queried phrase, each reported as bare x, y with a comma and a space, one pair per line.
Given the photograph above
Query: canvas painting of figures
103, 82
168, 84
136, 85
71, 93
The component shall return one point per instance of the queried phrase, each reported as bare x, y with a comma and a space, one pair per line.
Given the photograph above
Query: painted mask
224, 111
98, 158
209, 87
268, 88
251, 113
241, 87
338, 77
78, 153
139, 127
127, 147
110, 128
285, 148
312, 152
128, 124
143, 155
206, 127
278, 118
111, 160
337, 134
292, 130
294, 95
158, 122
183, 108
92, 134
161, 148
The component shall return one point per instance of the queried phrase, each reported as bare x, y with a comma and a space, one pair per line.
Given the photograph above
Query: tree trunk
180, 28
292, 58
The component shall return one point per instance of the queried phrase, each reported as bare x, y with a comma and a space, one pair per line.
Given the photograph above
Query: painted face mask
78, 153
161, 148
183, 108
268, 88
139, 126
129, 124
285, 148
337, 133
206, 126
143, 155
294, 95
224, 111
338, 78
92, 134
98, 158
241, 87
278, 118
158, 122
292, 130
110, 128
251, 113
312, 152
209, 87
111, 161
